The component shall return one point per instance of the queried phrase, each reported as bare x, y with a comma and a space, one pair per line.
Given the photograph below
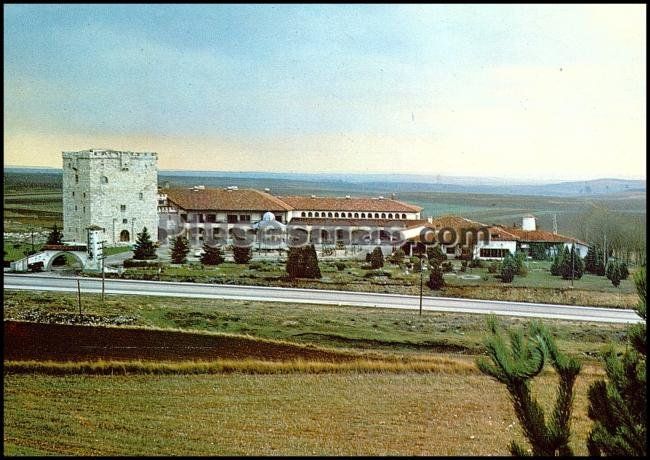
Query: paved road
319, 296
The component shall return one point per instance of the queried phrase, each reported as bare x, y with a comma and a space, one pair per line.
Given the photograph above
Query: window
309, 214
356, 215
390, 215
303, 214
232, 218
84, 195
104, 180
124, 221
75, 207
76, 178
244, 218
489, 252
84, 209
122, 207
403, 216
317, 214
383, 215
211, 218
336, 214
141, 196
73, 194
376, 215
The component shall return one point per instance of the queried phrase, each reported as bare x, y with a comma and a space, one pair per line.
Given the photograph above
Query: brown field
59, 342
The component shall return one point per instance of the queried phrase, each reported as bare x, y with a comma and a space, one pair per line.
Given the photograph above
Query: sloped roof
455, 222
225, 200
541, 236
348, 204
349, 222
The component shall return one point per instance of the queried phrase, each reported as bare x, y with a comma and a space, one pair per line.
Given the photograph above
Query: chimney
528, 223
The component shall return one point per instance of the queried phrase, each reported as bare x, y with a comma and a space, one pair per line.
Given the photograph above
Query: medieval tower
115, 190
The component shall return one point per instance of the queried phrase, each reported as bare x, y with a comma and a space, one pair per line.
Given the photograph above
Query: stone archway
53, 257
125, 236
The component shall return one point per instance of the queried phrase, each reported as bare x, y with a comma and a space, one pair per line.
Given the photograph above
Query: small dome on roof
268, 216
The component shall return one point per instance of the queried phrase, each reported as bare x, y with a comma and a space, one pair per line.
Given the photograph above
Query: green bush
397, 257
130, 263
436, 280
377, 258
340, 266
508, 269
476, 263
373, 273
435, 254
494, 267
242, 254
447, 267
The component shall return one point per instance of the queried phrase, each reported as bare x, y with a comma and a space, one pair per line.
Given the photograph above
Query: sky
512, 91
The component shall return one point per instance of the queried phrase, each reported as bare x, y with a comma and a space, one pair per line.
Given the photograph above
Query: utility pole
421, 270
573, 263
79, 296
102, 258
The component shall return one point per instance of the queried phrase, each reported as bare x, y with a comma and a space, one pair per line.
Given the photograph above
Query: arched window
316, 214
124, 235
104, 180
303, 214
309, 214
383, 215
403, 216
363, 215
329, 214
356, 215
349, 214
390, 215
336, 214
376, 215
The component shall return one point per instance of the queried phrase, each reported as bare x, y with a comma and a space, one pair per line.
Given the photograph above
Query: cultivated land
384, 382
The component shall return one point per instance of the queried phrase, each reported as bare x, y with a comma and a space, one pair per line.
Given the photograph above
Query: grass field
538, 286
357, 328
238, 414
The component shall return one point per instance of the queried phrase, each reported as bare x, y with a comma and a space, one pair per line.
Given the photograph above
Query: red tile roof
225, 200
348, 204
541, 236
349, 222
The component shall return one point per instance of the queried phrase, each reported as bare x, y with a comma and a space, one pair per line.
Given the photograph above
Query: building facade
111, 189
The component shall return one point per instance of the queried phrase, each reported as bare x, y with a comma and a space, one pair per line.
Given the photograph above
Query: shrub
558, 261
508, 269
373, 273
377, 258
463, 266
436, 280
368, 257
55, 236
340, 266
614, 272
494, 267
242, 254
130, 263
327, 251
435, 254
212, 255
538, 251
447, 267
625, 273
302, 262
398, 256
476, 263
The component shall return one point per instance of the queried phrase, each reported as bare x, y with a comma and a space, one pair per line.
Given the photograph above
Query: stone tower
111, 189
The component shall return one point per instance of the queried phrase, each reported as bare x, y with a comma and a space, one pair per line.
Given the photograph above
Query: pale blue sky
448, 89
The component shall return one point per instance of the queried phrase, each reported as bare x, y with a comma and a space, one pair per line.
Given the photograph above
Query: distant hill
360, 183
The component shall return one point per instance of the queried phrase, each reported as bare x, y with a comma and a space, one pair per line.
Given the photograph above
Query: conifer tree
515, 367
377, 258
557, 262
614, 272
242, 254
508, 268
212, 255
572, 266
435, 254
436, 280
312, 270
618, 405
144, 248
180, 249
55, 236
302, 262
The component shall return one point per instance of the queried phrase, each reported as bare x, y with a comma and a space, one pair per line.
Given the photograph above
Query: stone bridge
50, 252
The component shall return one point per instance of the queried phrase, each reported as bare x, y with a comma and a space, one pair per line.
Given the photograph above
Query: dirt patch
62, 342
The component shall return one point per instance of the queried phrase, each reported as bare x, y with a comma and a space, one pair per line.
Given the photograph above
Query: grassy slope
344, 327
268, 414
